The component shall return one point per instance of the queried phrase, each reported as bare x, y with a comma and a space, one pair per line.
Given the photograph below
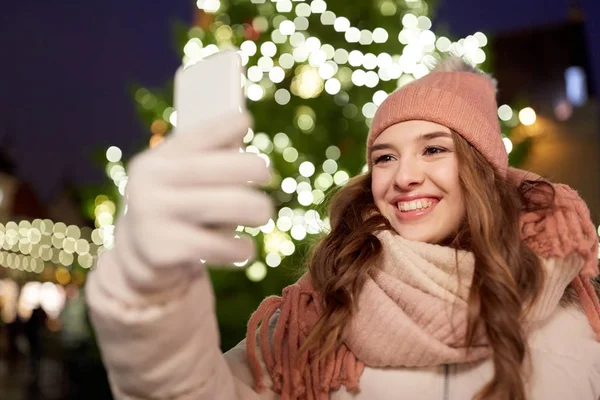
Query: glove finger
182, 245
226, 249
220, 205
219, 167
224, 133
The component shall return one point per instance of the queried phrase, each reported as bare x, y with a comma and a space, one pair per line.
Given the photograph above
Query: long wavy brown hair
508, 275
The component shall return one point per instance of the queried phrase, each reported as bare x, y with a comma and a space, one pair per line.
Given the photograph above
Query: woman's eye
430, 151
383, 158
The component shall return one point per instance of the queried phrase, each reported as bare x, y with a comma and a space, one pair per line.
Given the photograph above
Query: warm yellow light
256, 272
273, 240
82, 246
100, 199
287, 248
104, 218
273, 260
65, 258
307, 83
527, 116
159, 127
85, 260
155, 140
341, 178
63, 276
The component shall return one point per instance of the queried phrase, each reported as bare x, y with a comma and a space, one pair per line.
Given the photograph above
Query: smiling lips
420, 204
409, 210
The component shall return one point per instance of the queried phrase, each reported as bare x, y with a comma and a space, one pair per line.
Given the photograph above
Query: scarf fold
412, 310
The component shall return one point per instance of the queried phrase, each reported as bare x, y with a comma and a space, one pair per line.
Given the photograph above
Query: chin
410, 234
424, 234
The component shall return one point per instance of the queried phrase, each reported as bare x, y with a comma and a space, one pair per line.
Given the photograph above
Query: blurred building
17, 198
549, 69
19, 201
66, 207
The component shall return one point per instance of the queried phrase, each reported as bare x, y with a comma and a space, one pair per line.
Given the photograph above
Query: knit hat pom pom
458, 64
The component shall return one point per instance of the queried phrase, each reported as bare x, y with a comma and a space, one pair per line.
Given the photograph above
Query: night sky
66, 66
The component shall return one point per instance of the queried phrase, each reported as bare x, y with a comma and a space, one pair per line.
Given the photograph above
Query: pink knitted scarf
412, 310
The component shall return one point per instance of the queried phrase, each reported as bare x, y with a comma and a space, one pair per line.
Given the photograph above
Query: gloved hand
184, 200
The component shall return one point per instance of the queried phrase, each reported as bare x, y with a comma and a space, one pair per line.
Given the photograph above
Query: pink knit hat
462, 99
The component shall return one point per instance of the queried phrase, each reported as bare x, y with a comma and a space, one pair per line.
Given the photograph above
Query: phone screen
208, 90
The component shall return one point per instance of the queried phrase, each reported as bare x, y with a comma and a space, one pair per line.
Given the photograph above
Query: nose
409, 174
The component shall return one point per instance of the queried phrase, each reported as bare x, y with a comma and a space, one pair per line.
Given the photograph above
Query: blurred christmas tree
316, 73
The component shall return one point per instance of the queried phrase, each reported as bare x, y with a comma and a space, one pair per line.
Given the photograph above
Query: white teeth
414, 205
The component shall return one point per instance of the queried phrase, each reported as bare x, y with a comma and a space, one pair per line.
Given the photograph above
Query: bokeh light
527, 116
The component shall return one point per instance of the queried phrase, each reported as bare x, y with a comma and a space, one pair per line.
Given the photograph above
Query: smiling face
415, 181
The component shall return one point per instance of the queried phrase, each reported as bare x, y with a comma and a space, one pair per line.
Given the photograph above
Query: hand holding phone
187, 195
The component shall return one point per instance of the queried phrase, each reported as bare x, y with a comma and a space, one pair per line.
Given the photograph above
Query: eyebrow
422, 138
433, 135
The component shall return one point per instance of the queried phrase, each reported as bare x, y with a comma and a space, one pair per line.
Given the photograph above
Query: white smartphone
208, 90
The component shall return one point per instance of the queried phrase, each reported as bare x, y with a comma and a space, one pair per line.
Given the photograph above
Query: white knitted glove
184, 200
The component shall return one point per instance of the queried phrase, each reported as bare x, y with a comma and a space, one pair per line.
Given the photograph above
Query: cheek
450, 183
447, 177
379, 186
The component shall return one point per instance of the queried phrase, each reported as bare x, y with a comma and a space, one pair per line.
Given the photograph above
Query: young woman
446, 274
